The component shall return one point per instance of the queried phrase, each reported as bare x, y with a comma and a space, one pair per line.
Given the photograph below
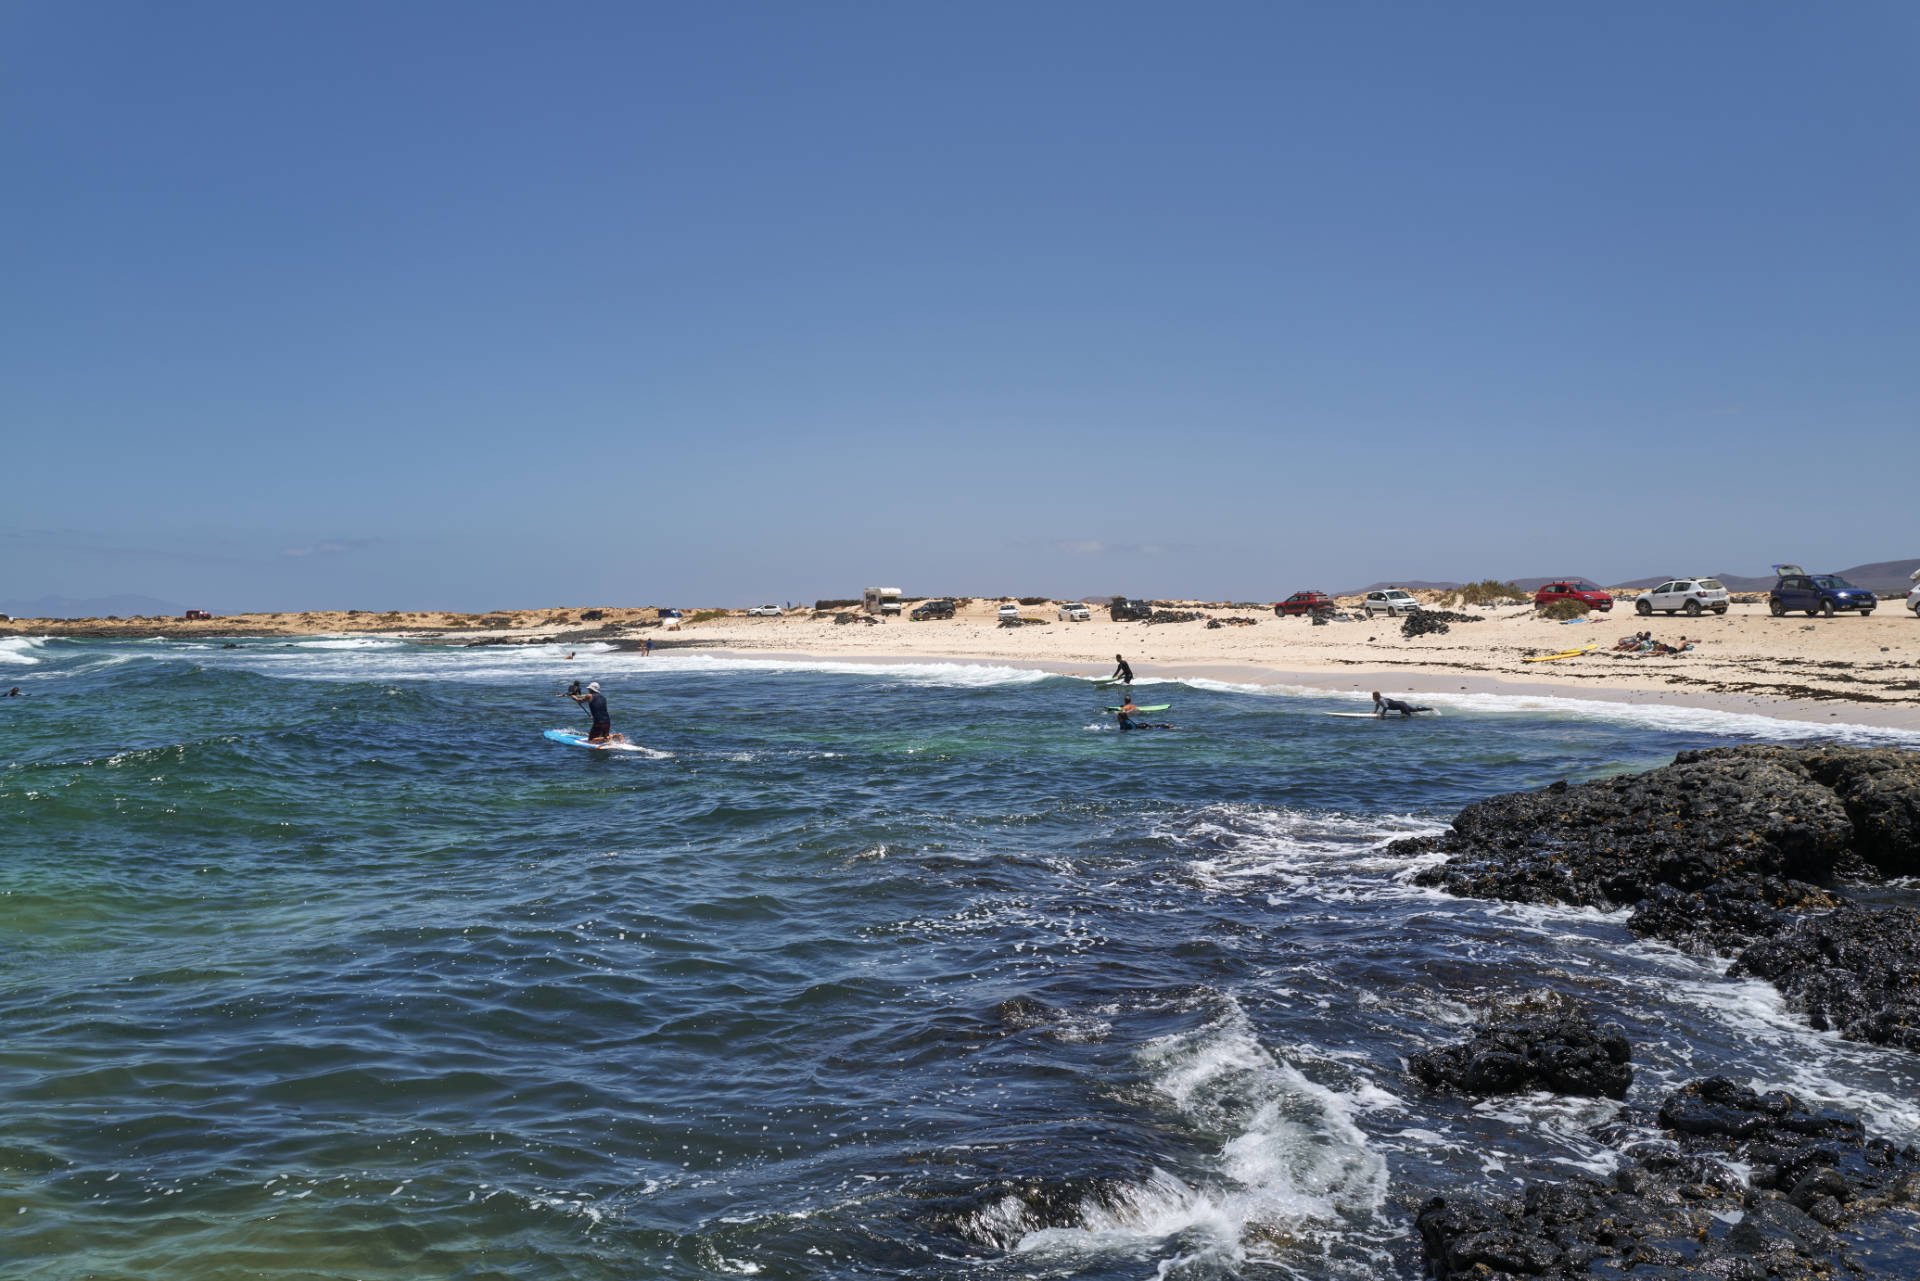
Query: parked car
1816, 593
1690, 594
195, 615
1574, 589
1075, 612
664, 613
1913, 601
1125, 609
1392, 602
932, 609
765, 611
1303, 603
1008, 614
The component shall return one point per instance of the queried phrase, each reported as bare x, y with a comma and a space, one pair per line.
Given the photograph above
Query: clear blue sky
471, 305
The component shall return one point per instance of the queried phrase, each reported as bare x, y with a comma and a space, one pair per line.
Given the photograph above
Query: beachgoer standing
1122, 672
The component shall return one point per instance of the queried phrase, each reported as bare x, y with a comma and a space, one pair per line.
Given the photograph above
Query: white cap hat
593, 686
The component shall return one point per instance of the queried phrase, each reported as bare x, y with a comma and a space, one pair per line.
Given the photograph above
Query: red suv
1303, 603
1574, 589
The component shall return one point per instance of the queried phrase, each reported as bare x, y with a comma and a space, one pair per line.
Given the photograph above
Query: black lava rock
1855, 971
1727, 849
1681, 1209
1560, 1052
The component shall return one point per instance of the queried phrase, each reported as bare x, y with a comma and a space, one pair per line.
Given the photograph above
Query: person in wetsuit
596, 705
1122, 672
1381, 706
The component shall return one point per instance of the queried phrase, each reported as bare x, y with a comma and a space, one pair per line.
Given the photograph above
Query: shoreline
1848, 671
1411, 682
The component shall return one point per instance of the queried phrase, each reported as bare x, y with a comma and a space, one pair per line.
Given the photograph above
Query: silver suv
1690, 594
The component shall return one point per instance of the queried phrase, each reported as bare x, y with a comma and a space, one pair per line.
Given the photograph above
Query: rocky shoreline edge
1738, 852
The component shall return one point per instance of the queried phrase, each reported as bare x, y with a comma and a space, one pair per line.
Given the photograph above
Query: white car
1392, 602
1690, 594
1008, 613
765, 611
1913, 601
1073, 612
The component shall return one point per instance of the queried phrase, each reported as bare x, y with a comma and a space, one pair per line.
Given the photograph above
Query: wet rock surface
1854, 971
1726, 849
1821, 1200
1556, 1050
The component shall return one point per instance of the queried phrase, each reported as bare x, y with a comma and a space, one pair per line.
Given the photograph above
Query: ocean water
319, 961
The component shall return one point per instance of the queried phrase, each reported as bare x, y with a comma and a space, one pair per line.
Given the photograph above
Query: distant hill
123, 606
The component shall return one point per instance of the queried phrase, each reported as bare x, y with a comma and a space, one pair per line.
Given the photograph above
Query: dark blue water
320, 962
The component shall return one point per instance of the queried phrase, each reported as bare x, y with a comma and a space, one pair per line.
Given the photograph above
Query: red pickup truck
194, 615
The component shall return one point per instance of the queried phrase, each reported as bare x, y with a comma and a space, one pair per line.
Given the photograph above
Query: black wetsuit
1395, 705
1123, 672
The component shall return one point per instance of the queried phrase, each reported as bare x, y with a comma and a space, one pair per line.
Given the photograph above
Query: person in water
1128, 711
1381, 706
1122, 672
15, 693
596, 704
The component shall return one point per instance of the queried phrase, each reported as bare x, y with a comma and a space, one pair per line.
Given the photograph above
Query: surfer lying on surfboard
596, 705
1381, 706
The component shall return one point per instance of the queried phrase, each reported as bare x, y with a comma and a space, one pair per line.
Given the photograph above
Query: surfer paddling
596, 704
1381, 706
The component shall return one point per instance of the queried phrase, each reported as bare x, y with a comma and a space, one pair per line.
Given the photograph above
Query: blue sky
475, 305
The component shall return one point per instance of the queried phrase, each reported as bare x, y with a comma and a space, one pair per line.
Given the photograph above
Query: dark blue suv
1816, 593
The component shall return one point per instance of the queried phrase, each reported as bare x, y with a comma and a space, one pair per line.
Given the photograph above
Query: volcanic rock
1855, 971
1680, 1208
1560, 1052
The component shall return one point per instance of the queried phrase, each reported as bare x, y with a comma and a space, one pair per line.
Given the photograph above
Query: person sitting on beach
1122, 673
1381, 706
596, 704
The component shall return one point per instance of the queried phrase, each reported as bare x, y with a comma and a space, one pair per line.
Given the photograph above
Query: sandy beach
1849, 668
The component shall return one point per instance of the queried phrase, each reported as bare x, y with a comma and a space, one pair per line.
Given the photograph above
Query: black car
1123, 610
932, 609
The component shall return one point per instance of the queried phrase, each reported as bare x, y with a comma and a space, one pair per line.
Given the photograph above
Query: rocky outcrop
1727, 849
1681, 1208
1854, 971
1560, 1051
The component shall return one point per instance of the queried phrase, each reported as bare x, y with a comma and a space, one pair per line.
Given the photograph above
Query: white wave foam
1297, 1157
945, 675
17, 649
1688, 720
1296, 848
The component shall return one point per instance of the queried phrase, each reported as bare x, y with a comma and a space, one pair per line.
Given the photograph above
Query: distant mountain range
123, 606
1884, 576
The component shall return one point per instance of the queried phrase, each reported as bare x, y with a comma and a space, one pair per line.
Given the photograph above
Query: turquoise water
318, 961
